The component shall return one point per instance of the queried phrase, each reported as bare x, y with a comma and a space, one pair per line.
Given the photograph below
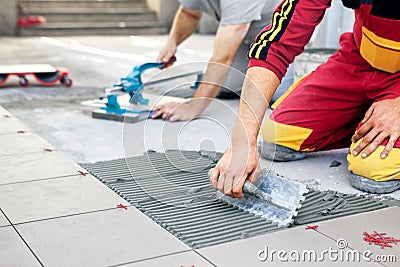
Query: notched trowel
271, 197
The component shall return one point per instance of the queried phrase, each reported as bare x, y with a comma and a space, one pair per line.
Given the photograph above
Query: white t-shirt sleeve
238, 12
190, 4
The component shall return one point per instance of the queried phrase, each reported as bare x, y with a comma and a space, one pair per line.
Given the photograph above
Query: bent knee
374, 167
285, 135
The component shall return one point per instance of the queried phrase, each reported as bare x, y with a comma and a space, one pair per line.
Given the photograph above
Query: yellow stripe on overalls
379, 52
278, 19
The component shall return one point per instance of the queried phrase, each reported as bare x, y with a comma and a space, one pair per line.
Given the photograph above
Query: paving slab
350, 230
99, 239
3, 220
17, 144
13, 251
184, 259
298, 244
10, 124
34, 166
44, 199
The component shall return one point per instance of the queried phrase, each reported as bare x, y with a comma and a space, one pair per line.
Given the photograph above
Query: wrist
172, 42
244, 137
198, 104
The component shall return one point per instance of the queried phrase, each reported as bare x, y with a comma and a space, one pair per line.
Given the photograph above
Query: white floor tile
99, 239
185, 259
298, 244
3, 220
35, 166
350, 230
10, 124
37, 200
17, 144
13, 251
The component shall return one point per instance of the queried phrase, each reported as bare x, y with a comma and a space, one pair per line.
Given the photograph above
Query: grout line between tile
70, 215
26, 153
23, 240
201, 255
151, 258
43, 179
326, 235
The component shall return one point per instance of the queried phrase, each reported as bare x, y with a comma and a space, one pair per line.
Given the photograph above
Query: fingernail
383, 156
354, 153
364, 155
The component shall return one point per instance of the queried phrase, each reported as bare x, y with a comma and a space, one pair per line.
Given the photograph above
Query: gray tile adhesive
172, 189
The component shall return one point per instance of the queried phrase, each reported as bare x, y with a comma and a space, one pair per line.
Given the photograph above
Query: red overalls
322, 110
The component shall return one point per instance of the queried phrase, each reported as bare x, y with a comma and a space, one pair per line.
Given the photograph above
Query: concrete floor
72, 222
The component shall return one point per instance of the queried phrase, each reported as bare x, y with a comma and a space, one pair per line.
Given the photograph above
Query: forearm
185, 23
227, 42
213, 78
258, 89
240, 162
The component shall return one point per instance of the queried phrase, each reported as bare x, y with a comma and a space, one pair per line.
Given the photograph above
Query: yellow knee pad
374, 167
285, 135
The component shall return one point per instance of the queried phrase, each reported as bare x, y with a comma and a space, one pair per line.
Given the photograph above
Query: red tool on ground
30, 21
45, 74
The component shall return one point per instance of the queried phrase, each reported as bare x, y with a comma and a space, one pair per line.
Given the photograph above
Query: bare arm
185, 23
227, 42
241, 162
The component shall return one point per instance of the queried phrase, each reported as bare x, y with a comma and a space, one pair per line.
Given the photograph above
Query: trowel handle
252, 189
248, 187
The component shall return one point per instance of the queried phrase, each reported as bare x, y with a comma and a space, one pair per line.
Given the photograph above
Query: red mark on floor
83, 173
122, 206
314, 227
48, 149
380, 239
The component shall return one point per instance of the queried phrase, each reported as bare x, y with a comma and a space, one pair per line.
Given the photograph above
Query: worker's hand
240, 162
381, 121
176, 112
167, 53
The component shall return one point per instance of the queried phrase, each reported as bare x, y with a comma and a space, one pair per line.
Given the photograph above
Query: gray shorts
236, 75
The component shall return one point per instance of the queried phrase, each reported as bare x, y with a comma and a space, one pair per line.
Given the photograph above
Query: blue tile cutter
133, 85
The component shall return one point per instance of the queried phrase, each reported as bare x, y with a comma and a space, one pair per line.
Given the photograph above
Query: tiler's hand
240, 162
167, 53
175, 112
381, 121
